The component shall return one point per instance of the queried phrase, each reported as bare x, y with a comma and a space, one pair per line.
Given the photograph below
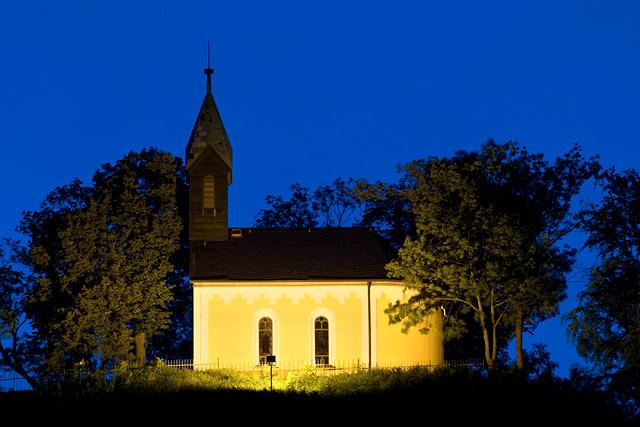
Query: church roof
293, 254
208, 131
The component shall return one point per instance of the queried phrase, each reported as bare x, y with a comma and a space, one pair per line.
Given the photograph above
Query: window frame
262, 359
331, 318
275, 333
322, 358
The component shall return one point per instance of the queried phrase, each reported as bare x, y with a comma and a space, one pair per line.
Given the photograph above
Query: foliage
11, 281
539, 366
487, 228
605, 326
386, 208
336, 204
100, 257
293, 213
14, 287
332, 205
154, 178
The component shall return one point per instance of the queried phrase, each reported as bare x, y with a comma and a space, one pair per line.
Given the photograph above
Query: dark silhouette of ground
497, 405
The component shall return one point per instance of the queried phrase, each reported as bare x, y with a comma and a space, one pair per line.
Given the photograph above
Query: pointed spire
208, 130
208, 71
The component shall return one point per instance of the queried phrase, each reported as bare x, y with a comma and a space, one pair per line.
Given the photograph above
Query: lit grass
158, 378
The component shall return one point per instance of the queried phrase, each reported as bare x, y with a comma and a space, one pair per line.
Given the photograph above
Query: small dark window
322, 340
265, 339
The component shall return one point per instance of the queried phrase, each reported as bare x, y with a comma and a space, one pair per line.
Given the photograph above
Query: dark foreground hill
433, 404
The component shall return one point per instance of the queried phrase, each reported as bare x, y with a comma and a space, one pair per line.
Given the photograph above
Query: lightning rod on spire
208, 71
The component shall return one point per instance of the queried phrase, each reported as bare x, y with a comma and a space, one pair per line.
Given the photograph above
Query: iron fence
347, 366
13, 382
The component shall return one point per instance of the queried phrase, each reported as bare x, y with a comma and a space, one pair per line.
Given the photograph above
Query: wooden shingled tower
209, 167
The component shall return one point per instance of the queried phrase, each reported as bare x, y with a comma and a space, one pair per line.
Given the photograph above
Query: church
286, 296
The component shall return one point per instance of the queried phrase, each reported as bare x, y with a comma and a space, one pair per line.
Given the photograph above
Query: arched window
265, 339
208, 192
265, 325
321, 329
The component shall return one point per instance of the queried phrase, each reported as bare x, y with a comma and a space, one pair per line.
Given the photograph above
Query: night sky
309, 92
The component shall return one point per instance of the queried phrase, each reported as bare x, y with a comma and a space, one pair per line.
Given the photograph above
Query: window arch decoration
261, 328
322, 334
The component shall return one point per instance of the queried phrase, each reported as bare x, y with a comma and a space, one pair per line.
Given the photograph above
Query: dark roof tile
294, 254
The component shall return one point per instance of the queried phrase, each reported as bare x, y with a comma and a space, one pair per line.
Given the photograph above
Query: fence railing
346, 366
13, 382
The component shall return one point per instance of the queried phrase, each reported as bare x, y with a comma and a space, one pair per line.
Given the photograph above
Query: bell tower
208, 165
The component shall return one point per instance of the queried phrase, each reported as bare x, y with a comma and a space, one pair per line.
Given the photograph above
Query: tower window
321, 327
208, 192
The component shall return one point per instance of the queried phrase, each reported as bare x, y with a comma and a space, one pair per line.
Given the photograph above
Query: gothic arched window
265, 339
321, 328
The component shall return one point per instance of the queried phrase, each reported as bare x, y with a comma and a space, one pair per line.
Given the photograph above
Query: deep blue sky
312, 91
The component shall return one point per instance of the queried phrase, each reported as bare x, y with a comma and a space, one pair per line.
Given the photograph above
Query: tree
540, 196
14, 287
100, 257
540, 366
486, 234
386, 208
605, 326
293, 213
177, 340
457, 257
335, 205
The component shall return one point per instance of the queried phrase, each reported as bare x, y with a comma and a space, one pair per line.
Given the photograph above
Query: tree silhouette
101, 258
487, 228
605, 326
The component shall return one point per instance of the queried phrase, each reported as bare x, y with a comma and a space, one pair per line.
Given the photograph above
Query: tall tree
485, 241
605, 326
176, 342
101, 256
539, 196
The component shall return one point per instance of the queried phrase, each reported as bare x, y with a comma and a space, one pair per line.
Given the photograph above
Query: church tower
208, 165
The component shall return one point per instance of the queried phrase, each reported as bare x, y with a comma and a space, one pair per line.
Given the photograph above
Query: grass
174, 397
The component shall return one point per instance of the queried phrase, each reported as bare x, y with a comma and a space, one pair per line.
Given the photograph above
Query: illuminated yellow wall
394, 345
226, 316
